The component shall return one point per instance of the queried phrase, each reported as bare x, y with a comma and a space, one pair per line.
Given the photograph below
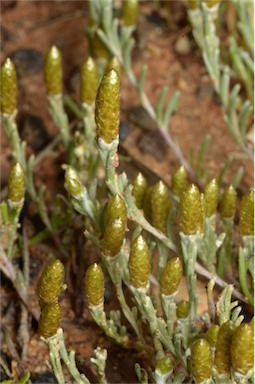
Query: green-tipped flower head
228, 203
193, 4
115, 64
201, 360
97, 48
16, 183
129, 12
113, 237
49, 321
179, 181
94, 285
160, 206
211, 3
212, 335
222, 360
139, 189
211, 195
191, 217
164, 366
53, 74
139, 263
116, 209
247, 214
72, 182
8, 87
89, 82
50, 284
242, 349
107, 113
182, 309
171, 276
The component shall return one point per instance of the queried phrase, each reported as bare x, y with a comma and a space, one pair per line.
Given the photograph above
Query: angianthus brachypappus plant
176, 335
150, 238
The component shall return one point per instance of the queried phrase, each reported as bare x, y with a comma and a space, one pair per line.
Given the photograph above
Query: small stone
182, 45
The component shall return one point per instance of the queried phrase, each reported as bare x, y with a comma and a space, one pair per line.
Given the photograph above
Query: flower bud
50, 283
107, 113
53, 74
8, 87
160, 206
242, 349
116, 209
211, 195
179, 181
139, 263
89, 82
190, 211
212, 335
139, 189
228, 203
182, 309
247, 214
94, 286
113, 237
16, 183
201, 360
72, 182
222, 360
129, 12
50, 318
114, 64
171, 276
164, 366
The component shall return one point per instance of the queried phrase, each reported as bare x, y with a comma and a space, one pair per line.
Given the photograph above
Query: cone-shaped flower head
115, 64
228, 203
164, 366
8, 87
107, 113
160, 206
50, 283
201, 360
116, 209
72, 182
139, 263
89, 82
129, 12
242, 349
247, 214
97, 48
179, 181
182, 309
212, 335
49, 321
191, 220
53, 74
222, 360
139, 189
16, 183
193, 4
94, 285
211, 195
113, 237
211, 3
171, 276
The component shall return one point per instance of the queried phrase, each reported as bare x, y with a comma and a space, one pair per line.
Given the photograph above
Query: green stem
243, 276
